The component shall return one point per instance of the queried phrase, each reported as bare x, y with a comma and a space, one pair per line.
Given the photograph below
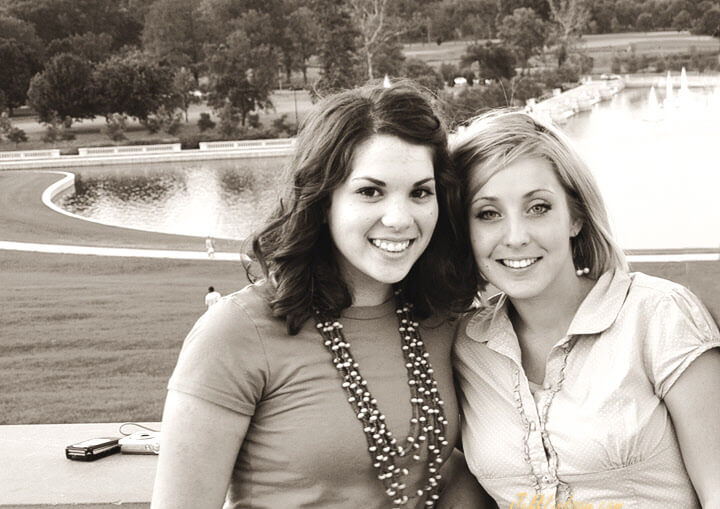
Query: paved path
25, 218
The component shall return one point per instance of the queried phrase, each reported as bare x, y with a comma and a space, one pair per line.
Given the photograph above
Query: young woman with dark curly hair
327, 383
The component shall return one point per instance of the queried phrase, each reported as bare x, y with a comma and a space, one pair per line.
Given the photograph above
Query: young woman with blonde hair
581, 381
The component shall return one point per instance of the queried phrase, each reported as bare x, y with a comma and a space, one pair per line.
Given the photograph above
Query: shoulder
652, 287
669, 303
653, 292
238, 315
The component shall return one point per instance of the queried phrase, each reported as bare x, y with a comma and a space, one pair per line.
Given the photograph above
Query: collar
597, 312
602, 305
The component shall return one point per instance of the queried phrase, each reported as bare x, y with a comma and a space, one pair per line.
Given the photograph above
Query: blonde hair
496, 139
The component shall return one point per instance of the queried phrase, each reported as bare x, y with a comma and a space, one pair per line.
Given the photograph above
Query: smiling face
520, 229
381, 218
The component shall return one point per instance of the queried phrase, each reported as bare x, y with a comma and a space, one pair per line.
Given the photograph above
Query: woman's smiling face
382, 217
520, 230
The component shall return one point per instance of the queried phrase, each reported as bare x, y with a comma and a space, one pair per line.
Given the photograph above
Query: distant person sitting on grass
212, 297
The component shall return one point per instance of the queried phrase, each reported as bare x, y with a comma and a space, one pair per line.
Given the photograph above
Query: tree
682, 21
337, 49
494, 60
90, 46
302, 31
175, 33
242, 75
525, 32
644, 22
183, 86
570, 19
20, 58
423, 74
61, 90
377, 28
709, 24
130, 84
57, 19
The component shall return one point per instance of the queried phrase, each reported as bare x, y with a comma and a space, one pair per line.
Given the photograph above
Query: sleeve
679, 331
223, 360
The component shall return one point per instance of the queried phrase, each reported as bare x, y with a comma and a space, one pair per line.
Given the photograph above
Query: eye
488, 215
422, 192
539, 209
369, 192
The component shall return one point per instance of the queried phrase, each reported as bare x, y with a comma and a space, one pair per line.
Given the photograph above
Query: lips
521, 263
391, 246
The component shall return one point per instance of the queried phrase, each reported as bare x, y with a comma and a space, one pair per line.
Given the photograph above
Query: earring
582, 272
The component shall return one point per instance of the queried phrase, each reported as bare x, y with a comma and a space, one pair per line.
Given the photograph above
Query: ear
576, 227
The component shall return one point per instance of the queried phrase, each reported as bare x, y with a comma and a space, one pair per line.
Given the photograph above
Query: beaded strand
427, 424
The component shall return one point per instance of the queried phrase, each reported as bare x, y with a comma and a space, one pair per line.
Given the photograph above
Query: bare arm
200, 442
694, 405
460, 489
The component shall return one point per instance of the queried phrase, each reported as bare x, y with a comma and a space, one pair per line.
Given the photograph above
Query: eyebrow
526, 195
380, 183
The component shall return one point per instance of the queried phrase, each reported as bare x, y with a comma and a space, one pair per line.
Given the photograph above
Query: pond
220, 198
657, 163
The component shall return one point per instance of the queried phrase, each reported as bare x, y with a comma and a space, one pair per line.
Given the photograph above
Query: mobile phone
90, 450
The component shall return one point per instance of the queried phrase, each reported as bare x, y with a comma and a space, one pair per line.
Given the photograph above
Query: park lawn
94, 338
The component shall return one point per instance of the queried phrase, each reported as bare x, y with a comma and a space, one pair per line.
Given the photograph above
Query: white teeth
393, 247
519, 264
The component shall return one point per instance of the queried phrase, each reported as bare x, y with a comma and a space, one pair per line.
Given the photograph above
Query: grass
95, 339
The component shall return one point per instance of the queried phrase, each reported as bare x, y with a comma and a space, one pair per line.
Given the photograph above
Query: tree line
75, 59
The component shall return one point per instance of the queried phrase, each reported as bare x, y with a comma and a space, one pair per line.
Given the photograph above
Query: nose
516, 232
397, 215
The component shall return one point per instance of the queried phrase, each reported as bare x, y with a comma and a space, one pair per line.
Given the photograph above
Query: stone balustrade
29, 154
279, 143
129, 149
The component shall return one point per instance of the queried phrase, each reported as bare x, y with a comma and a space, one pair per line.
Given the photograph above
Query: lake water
221, 198
658, 168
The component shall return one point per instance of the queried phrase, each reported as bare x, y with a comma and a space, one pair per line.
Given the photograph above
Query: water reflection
224, 199
660, 179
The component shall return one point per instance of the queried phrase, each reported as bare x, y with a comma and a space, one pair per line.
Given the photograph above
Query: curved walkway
27, 224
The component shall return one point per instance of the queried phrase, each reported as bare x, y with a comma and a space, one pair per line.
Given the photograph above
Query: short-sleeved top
305, 446
609, 436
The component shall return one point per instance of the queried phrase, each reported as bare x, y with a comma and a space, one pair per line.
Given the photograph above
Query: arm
459, 488
694, 405
199, 445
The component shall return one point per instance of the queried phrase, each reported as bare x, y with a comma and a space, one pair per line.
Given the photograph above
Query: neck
548, 317
371, 296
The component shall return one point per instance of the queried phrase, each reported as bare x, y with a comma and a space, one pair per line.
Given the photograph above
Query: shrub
253, 121
16, 135
205, 123
448, 72
115, 125
229, 120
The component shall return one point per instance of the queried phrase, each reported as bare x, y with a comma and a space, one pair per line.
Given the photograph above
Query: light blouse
596, 430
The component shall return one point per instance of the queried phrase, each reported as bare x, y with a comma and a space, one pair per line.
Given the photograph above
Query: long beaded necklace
427, 424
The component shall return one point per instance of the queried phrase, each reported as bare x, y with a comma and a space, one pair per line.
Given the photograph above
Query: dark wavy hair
294, 248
